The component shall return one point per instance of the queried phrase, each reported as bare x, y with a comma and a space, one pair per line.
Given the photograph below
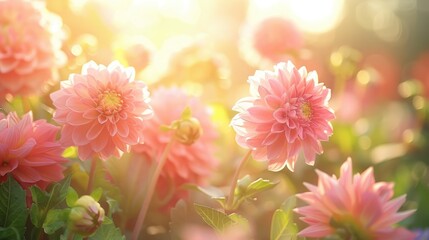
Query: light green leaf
214, 218
13, 210
258, 186
71, 197
187, 113
107, 231
70, 152
282, 228
97, 193
55, 219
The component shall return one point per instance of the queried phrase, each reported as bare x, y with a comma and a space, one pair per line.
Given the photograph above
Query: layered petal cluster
30, 47
29, 150
287, 112
353, 207
185, 163
103, 110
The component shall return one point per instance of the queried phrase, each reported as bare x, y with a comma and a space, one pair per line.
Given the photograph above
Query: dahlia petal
290, 163
79, 137
8, 166
23, 150
94, 131
316, 231
26, 174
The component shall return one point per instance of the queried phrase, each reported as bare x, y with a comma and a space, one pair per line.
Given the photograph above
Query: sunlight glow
314, 16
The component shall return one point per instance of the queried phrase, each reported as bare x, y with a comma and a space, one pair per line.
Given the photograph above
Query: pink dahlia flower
29, 151
353, 207
287, 112
185, 163
103, 110
277, 36
30, 47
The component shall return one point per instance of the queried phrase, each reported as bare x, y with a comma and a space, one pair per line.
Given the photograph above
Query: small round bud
86, 216
187, 130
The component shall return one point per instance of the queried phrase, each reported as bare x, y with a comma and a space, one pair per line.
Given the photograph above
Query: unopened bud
86, 216
188, 130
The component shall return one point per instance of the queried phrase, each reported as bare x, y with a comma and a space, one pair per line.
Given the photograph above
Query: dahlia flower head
286, 113
102, 111
270, 40
185, 163
355, 207
29, 151
30, 47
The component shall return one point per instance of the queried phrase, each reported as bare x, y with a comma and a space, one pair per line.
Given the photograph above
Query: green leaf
71, 197
240, 220
55, 219
279, 225
113, 206
282, 228
58, 192
214, 218
107, 231
13, 210
9, 233
36, 215
258, 186
246, 189
97, 193
187, 113
70, 152
39, 197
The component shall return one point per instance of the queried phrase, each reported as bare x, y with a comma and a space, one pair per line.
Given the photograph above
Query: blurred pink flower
287, 112
29, 151
276, 36
185, 163
103, 110
138, 54
30, 47
357, 205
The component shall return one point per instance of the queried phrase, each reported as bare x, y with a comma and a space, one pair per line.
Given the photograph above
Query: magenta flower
29, 151
287, 112
30, 47
355, 207
103, 110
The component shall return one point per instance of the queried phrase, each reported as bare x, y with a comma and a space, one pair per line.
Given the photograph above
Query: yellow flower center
110, 102
306, 110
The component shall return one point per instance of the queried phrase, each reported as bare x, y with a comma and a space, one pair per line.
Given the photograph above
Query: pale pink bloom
185, 163
29, 151
103, 110
287, 112
271, 40
356, 203
30, 47
276, 36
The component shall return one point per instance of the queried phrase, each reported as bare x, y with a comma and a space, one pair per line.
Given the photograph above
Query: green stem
229, 204
150, 190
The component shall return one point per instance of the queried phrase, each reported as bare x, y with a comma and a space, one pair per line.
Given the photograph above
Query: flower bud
86, 216
187, 130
